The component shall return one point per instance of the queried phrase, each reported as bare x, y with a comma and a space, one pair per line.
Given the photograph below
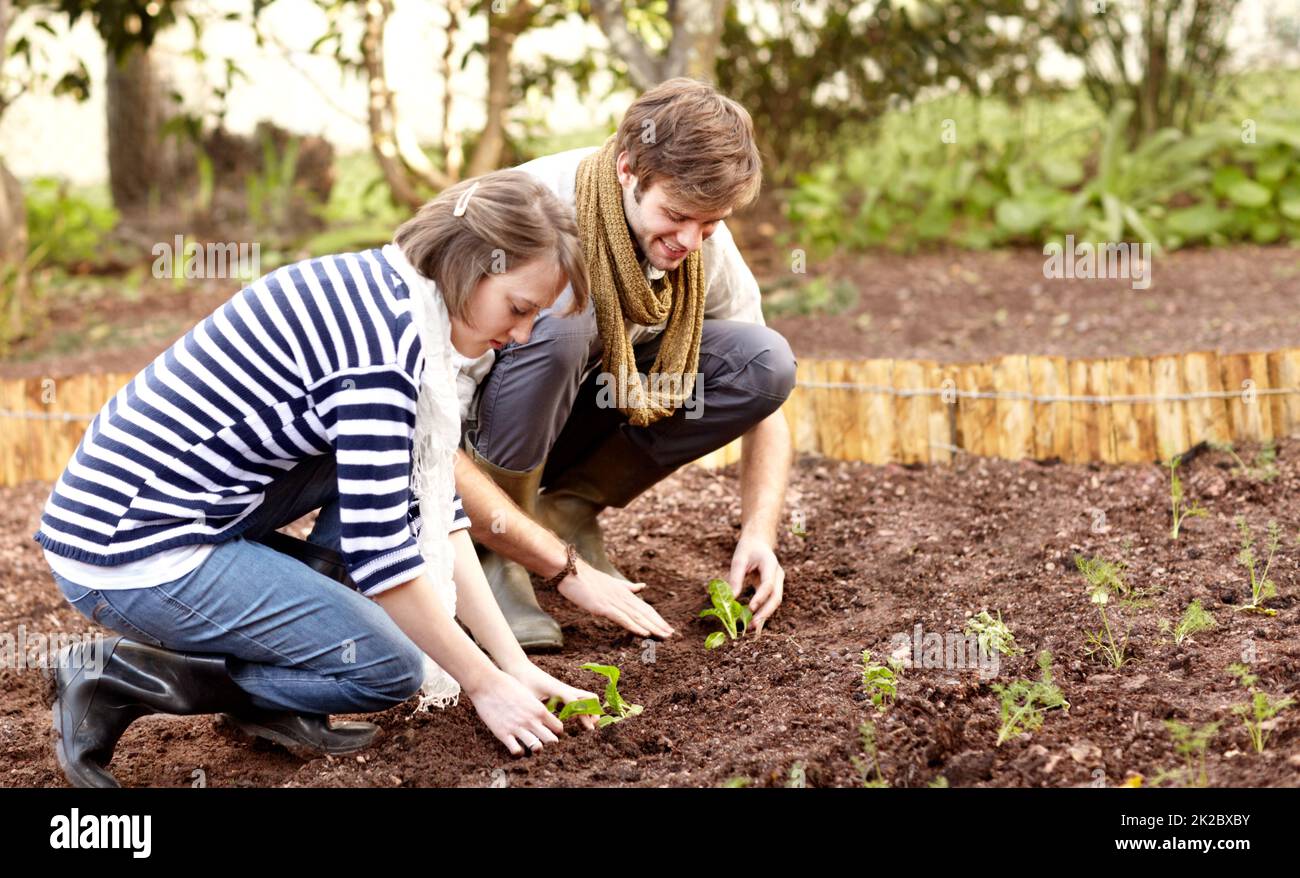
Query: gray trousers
539, 402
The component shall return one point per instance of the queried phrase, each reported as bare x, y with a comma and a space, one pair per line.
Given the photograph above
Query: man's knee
770, 371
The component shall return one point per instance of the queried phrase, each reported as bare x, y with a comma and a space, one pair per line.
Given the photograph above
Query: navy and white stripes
317, 357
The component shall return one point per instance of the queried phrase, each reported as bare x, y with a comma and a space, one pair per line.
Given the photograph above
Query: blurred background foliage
898, 124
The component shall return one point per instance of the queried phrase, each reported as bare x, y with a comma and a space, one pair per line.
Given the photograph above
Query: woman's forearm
478, 609
417, 611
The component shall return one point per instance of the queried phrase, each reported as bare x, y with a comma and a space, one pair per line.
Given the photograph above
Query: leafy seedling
1260, 709
992, 634
1180, 509
939, 783
1261, 587
1195, 619
798, 778
880, 681
1102, 577
1190, 743
726, 609
615, 709
869, 763
1024, 701
1264, 467
581, 707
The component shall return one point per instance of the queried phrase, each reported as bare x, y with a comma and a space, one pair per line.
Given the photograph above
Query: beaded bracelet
570, 567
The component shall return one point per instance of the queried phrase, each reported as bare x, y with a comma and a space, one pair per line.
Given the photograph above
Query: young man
561, 408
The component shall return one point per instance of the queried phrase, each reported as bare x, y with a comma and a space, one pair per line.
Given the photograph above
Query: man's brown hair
509, 220
696, 141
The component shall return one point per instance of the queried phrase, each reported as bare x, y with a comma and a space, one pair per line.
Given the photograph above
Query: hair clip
463, 201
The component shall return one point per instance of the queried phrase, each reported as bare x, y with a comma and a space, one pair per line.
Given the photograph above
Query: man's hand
753, 555
604, 595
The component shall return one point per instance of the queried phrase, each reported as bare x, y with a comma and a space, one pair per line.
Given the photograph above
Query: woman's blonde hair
509, 220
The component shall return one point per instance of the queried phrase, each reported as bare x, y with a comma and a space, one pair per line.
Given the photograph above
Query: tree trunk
503, 30
140, 163
13, 210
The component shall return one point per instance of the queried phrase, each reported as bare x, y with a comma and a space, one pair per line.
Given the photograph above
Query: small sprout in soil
1261, 587
1191, 744
798, 777
735, 783
615, 709
1180, 509
869, 763
734, 617
1262, 707
1195, 619
1103, 578
880, 681
939, 783
1264, 468
992, 634
1024, 701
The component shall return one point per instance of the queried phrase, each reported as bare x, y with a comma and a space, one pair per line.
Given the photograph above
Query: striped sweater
317, 357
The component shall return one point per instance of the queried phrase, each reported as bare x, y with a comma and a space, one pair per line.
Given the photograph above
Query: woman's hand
545, 687
514, 714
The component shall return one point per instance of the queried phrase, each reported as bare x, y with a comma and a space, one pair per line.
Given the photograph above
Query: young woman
328, 384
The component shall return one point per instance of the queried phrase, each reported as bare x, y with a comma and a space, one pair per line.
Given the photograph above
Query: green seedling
939, 783
1024, 701
615, 709
1191, 744
880, 681
1103, 579
798, 778
869, 763
735, 783
1261, 587
992, 634
734, 617
1260, 709
1180, 509
1195, 619
1264, 467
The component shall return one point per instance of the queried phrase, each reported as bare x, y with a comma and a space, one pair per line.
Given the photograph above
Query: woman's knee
396, 676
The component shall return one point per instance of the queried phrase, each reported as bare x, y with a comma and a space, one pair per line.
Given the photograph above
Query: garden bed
884, 549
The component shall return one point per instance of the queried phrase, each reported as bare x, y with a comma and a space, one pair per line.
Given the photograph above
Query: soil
946, 306
884, 549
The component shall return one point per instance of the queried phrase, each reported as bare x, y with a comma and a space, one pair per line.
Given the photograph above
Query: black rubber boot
91, 710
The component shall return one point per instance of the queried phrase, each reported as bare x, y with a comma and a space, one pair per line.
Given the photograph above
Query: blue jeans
293, 638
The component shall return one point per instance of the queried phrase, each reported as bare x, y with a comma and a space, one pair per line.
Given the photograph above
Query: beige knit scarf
620, 290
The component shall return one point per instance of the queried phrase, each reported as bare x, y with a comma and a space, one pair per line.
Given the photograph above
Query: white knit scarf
433, 458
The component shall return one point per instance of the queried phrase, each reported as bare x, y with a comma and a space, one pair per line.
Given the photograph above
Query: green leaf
1248, 193
1198, 221
1019, 217
714, 640
581, 707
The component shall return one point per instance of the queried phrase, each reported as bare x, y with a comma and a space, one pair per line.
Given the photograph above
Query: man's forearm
499, 524
765, 454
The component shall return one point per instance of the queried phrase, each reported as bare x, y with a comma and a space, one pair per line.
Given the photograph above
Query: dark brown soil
886, 548
953, 306
971, 306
